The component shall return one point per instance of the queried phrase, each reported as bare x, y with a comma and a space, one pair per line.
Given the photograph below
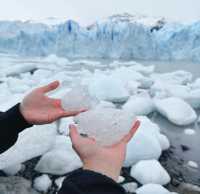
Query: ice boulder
31, 143
78, 98
152, 189
106, 125
140, 104
60, 160
176, 110
145, 144
105, 87
142, 172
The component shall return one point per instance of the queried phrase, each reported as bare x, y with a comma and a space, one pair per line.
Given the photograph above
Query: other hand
105, 160
37, 108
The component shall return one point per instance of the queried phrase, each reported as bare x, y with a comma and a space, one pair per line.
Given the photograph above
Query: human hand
37, 108
105, 160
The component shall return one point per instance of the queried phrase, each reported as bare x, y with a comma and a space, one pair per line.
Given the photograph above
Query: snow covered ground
143, 90
119, 36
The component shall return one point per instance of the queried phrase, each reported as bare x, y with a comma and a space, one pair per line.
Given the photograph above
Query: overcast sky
87, 11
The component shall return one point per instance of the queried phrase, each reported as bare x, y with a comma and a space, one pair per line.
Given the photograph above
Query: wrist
103, 168
21, 110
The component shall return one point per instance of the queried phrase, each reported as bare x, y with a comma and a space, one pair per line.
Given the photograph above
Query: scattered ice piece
56, 60
63, 125
78, 98
107, 88
132, 86
19, 68
142, 172
42, 183
120, 179
198, 120
17, 85
105, 104
189, 132
145, 144
152, 189
59, 182
60, 160
192, 164
196, 84
106, 125
176, 110
130, 187
176, 77
12, 170
31, 143
164, 142
140, 104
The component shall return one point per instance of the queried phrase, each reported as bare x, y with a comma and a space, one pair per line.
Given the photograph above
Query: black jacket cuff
16, 118
89, 182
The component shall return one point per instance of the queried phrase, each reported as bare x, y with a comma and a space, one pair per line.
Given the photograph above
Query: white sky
87, 11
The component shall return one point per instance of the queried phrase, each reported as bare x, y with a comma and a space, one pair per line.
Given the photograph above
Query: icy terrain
119, 36
125, 87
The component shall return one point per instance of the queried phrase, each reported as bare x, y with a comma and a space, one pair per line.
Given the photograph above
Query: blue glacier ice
119, 36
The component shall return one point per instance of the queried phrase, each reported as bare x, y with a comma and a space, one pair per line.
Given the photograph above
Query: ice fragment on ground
31, 143
164, 141
120, 179
42, 183
192, 164
142, 172
60, 160
140, 104
152, 189
59, 182
12, 170
176, 110
106, 125
130, 187
189, 132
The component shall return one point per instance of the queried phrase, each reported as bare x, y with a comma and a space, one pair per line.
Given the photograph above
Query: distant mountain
119, 36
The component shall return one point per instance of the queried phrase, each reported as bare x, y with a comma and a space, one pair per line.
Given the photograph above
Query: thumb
50, 87
131, 133
74, 135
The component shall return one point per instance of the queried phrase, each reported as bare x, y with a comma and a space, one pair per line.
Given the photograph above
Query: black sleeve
89, 182
11, 123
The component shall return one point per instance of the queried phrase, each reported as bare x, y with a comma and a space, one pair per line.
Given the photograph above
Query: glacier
122, 36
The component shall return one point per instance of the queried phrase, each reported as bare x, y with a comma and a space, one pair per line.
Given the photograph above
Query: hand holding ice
78, 98
106, 125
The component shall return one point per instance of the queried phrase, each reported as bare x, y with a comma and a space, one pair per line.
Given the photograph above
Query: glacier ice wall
119, 36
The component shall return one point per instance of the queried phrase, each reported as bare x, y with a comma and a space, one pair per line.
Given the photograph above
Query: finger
129, 136
73, 133
50, 87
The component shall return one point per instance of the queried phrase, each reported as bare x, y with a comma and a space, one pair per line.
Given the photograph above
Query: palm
40, 109
104, 159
